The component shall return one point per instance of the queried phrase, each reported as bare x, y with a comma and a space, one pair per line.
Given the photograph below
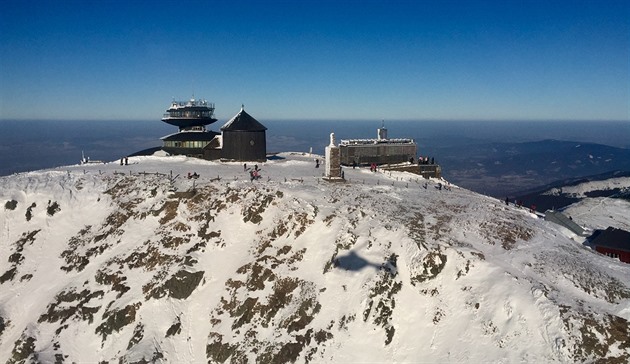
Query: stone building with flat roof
378, 151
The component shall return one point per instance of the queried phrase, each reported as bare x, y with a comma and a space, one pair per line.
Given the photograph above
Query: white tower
381, 133
333, 159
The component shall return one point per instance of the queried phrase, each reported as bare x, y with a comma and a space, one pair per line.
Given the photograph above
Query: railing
187, 115
192, 103
375, 141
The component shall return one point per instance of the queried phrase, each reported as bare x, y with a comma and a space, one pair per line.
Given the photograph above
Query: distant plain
490, 157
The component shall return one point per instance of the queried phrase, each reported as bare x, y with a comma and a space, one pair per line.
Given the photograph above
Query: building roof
370, 142
243, 122
613, 238
191, 136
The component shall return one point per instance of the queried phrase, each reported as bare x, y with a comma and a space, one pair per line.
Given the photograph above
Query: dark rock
11, 205
53, 208
179, 286
116, 320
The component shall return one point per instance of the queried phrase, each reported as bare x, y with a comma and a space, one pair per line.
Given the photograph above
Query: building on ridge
391, 154
193, 139
612, 242
378, 151
244, 138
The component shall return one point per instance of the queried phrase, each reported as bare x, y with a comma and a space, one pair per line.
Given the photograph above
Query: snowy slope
600, 212
619, 184
110, 263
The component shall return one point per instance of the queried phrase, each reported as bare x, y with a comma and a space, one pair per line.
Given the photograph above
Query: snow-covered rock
110, 263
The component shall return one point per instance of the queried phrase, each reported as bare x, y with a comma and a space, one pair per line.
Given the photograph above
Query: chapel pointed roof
243, 122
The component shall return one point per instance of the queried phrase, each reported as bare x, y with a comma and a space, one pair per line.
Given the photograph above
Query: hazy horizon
30, 145
332, 119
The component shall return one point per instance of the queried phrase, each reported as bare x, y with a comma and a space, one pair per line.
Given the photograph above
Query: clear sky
308, 59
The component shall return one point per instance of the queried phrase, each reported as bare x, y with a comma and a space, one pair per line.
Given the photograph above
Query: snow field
473, 279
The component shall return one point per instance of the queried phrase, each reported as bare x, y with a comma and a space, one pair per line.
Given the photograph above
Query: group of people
439, 186
125, 160
423, 160
519, 204
254, 173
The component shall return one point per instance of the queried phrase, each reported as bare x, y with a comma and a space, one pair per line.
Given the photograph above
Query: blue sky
368, 60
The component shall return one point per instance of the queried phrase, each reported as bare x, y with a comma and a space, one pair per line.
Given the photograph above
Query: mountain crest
138, 266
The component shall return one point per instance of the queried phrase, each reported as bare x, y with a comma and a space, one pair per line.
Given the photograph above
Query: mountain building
192, 139
391, 154
377, 151
243, 138
614, 243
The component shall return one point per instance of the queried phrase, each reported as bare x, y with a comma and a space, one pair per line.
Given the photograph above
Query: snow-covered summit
138, 263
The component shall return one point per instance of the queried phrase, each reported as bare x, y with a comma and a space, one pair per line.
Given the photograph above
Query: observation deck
190, 114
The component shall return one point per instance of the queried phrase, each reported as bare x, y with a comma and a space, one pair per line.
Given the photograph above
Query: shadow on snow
353, 262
